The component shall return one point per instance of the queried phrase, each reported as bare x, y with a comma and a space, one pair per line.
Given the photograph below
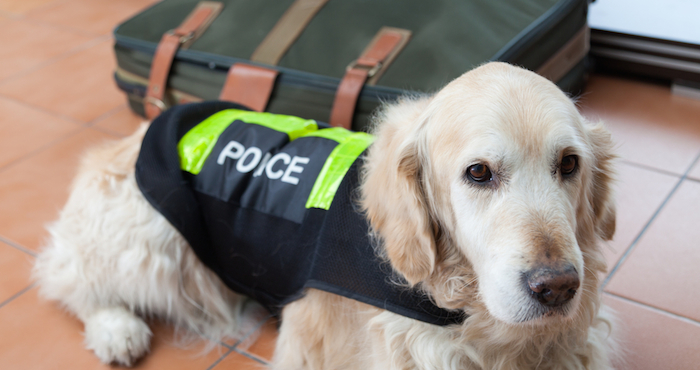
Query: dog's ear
603, 175
392, 192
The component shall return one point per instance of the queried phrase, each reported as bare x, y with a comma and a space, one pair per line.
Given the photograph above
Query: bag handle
373, 61
251, 85
189, 30
287, 29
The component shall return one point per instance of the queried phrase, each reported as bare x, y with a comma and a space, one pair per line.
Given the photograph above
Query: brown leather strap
388, 42
248, 85
346, 97
198, 20
286, 30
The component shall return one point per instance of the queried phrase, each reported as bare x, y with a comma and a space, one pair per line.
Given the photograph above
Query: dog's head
495, 190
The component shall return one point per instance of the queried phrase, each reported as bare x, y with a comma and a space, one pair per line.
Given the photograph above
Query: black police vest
268, 202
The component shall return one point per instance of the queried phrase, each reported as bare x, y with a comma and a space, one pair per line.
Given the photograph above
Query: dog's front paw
117, 335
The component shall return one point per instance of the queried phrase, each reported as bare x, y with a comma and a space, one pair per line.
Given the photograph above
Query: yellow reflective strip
337, 134
196, 145
350, 146
295, 127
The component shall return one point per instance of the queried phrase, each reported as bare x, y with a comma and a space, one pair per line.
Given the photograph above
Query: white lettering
293, 168
245, 168
262, 165
276, 174
227, 153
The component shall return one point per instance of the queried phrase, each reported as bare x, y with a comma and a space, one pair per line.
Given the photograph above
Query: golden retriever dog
491, 196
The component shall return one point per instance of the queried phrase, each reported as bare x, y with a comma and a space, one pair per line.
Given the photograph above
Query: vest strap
182, 37
373, 61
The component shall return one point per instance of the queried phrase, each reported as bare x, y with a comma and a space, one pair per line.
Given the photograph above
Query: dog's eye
568, 165
479, 173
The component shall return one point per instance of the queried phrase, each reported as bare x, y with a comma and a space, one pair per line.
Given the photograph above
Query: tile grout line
220, 359
693, 179
93, 124
63, 28
108, 132
17, 246
46, 146
655, 309
69, 53
646, 226
250, 356
44, 111
650, 168
9, 15
257, 327
47, 7
16, 295
81, 126
105, 115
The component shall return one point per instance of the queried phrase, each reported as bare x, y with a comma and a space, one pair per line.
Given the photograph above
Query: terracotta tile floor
57, 98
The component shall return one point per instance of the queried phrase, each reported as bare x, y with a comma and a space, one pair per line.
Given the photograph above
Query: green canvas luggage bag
336, 61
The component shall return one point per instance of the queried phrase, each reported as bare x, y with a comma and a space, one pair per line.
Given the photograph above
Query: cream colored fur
113, 259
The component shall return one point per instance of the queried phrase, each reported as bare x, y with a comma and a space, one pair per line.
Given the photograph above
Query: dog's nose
553, 287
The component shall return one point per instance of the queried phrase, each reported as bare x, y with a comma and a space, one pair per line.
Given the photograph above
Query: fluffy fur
112, 258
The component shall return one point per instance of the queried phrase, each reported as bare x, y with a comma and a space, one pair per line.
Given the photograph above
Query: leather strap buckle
182, 38
372, 69
192, 27
156, 102
380, 52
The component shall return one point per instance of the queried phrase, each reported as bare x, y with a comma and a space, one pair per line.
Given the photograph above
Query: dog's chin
538, 314
533, 313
